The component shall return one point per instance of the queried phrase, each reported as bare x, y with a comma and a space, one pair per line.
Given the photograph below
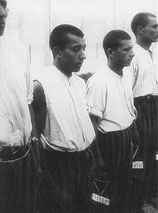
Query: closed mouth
80, 63
129, 61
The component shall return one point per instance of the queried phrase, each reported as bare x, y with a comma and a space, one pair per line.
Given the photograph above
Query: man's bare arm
39, 107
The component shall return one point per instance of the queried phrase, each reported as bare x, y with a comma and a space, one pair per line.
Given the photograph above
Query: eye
127, 49
76, 49
4, 4
155, 26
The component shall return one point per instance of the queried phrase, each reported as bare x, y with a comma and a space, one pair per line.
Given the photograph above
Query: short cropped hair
58, 37
140, 19
113, 39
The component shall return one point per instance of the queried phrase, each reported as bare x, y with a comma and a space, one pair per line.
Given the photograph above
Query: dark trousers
116, 150
144, 182
66, 186
18, 183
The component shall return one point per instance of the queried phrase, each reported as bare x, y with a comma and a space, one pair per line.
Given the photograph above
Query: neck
65, 72
144, 45
117, 69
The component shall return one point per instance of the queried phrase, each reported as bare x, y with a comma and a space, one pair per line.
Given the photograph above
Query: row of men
57, 156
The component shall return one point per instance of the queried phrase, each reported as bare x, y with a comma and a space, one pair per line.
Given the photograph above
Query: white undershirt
15, 94
109, 97
68, 126
145, 72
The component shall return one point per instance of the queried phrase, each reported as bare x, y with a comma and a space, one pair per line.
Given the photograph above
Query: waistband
146, 99
10, 153
69, 154
119, 131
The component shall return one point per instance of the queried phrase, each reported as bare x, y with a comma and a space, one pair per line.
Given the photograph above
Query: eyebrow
79, 45
3, 1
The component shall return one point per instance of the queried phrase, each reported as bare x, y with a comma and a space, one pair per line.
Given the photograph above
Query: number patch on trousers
100, 199
137, 165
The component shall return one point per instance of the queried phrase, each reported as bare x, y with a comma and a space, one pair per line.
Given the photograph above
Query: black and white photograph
79, 106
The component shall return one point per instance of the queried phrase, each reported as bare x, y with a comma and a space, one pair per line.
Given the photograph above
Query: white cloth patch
100, 199
137, 165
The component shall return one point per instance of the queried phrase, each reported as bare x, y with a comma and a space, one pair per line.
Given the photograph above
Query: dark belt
13, 152
146, 99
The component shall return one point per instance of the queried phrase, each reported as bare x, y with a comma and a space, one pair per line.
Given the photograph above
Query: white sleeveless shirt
68, 125
16, 90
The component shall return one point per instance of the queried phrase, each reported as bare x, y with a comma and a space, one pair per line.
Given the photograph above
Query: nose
82, 55
3, 11
132, 53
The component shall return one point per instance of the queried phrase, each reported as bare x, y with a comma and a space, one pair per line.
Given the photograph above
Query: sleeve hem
94, 112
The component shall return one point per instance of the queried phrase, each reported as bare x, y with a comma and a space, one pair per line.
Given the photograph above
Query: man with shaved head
145, 90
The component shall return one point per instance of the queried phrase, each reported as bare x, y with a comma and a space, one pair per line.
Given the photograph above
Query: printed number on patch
100, 199
137, 165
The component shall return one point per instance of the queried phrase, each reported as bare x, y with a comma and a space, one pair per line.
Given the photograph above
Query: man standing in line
64, 126
110, 104
145, 90
18, 154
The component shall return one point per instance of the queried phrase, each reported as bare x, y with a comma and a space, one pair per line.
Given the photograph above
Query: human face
72, 56
3, 15
123, 54
150, 31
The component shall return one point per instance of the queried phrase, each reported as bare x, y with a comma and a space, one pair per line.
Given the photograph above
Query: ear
140, 29
56, 51
110, 52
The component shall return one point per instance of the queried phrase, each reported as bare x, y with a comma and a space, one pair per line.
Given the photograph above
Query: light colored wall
31, 22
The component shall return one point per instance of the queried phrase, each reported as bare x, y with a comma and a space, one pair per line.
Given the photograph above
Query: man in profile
111, 107
145, 90
64, 126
